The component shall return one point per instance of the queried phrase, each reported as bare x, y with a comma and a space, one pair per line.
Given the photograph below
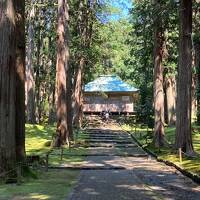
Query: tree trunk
62, 67
37, 78
7, 86
52, 113
69, 105
85, 30
197, 65
20, 81
193, 95
51, 88
183, 114
78, 94
158, 84
30, 82
170, 97
81, 26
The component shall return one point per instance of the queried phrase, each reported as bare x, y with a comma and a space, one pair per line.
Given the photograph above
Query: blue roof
109, 83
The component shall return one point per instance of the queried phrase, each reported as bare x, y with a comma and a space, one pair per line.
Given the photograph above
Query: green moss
192, 165
28, 173
41, 185
52, 185
36, 138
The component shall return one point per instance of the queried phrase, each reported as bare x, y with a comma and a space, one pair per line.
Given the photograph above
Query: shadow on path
139, 178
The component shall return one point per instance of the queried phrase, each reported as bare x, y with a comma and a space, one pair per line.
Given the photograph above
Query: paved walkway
117, 169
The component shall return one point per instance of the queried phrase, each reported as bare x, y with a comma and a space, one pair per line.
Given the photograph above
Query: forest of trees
50, 49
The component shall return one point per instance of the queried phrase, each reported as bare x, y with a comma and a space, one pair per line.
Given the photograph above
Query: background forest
103, 41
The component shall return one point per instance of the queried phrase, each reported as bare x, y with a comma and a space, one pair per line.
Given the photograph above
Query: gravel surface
141, 177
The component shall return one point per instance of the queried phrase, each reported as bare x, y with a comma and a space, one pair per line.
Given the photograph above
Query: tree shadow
139, 183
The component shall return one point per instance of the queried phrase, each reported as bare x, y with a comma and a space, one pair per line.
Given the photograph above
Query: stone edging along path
194, 177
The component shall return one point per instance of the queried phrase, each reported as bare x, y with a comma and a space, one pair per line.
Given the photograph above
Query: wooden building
109, 93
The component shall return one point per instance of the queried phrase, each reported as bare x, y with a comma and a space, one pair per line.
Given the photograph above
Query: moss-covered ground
51, 185
41, 185
38, 140
145, 138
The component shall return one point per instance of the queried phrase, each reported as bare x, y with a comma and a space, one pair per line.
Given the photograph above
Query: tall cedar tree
62, 69
197, 64
30, 82
170, 99
196, 40
20, 80
85, 29
7, 85
81, 26
69, 104
158, 81
12, 56
183, 114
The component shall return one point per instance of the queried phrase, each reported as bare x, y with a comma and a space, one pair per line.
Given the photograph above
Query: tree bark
158, 84
78, 94
7, 86
37, 78
51, 98
81, 26
30, 82
52, 112
69, 105
20, 80
183, 114
193, 95
197, 65
170, 97
62, 132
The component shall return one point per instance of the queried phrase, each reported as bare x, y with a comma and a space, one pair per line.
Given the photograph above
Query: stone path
117, 169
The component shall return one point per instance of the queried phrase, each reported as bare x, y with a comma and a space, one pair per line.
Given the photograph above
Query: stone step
104, 133
87, 167
116, 148
109, 141
111, 151
106, 137
111, 145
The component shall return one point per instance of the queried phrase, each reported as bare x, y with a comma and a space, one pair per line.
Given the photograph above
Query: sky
124, 6
119, 9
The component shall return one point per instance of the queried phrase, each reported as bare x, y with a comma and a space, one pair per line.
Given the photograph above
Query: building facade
109, 93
